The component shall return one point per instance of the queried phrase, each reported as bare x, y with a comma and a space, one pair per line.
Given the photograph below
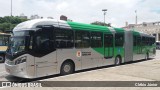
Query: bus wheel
67, 68
117, 60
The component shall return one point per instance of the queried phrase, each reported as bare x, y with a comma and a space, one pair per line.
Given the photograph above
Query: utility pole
10, 17
11, 7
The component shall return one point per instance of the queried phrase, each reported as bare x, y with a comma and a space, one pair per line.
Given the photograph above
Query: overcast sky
87, 11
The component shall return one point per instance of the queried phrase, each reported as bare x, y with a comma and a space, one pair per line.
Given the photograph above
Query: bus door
108, 46
45, 53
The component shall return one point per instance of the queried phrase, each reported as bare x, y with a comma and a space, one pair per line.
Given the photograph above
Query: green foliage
9, 22
101, 23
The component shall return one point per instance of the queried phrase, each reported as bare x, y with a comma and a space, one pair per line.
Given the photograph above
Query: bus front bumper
17, 70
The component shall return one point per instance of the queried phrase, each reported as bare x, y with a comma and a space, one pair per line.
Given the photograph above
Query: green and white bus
44, 47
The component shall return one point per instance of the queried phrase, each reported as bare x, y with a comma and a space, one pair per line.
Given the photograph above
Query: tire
117, 61
67, 68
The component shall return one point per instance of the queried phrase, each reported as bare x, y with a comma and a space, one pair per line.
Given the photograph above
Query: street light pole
104, 10
10, 17
136, 17
11, 7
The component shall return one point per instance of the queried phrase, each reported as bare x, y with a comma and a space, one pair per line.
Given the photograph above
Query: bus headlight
20, 60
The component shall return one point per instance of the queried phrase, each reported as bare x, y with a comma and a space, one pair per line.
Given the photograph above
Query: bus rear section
139, 46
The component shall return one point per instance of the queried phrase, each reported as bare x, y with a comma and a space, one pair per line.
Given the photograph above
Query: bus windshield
19, 42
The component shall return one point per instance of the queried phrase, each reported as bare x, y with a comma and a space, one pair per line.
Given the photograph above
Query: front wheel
117, 60
67, 68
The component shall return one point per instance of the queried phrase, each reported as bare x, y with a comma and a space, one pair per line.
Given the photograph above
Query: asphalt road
143, 70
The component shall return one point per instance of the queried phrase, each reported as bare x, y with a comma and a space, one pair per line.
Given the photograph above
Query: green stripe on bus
119, 30
88, 27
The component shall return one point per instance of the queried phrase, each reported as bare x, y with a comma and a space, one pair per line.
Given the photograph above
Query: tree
9, 22
101, 23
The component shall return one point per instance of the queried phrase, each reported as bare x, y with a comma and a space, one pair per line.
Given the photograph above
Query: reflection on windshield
17, 44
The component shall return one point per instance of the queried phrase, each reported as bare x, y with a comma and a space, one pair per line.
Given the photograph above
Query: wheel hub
67, 68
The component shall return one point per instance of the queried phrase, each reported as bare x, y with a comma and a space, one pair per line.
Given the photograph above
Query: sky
87, 11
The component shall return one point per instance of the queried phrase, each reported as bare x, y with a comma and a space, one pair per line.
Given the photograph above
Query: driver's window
44, 41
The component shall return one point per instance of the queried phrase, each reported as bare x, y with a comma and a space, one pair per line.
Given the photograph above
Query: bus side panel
128, 46
98, 56
46, 65
69, 54
119, 51
31, 70
87, 60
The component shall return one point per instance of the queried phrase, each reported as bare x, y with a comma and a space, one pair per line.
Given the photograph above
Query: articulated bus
4, 38
44, 47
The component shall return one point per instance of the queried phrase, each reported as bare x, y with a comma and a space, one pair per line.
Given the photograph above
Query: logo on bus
79, 54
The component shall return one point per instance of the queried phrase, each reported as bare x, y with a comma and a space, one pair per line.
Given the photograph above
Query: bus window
64, 38
139, 41
82, 39
119, 39
96, 39
44, 41
134, 40
143, 41
148, 41
4, 40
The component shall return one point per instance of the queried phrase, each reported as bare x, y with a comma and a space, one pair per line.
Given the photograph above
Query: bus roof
32, 24
82, 26
141, 33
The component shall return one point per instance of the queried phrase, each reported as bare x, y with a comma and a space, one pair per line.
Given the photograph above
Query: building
22, 16
35, 17
50, 17
62, 17
152, 28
